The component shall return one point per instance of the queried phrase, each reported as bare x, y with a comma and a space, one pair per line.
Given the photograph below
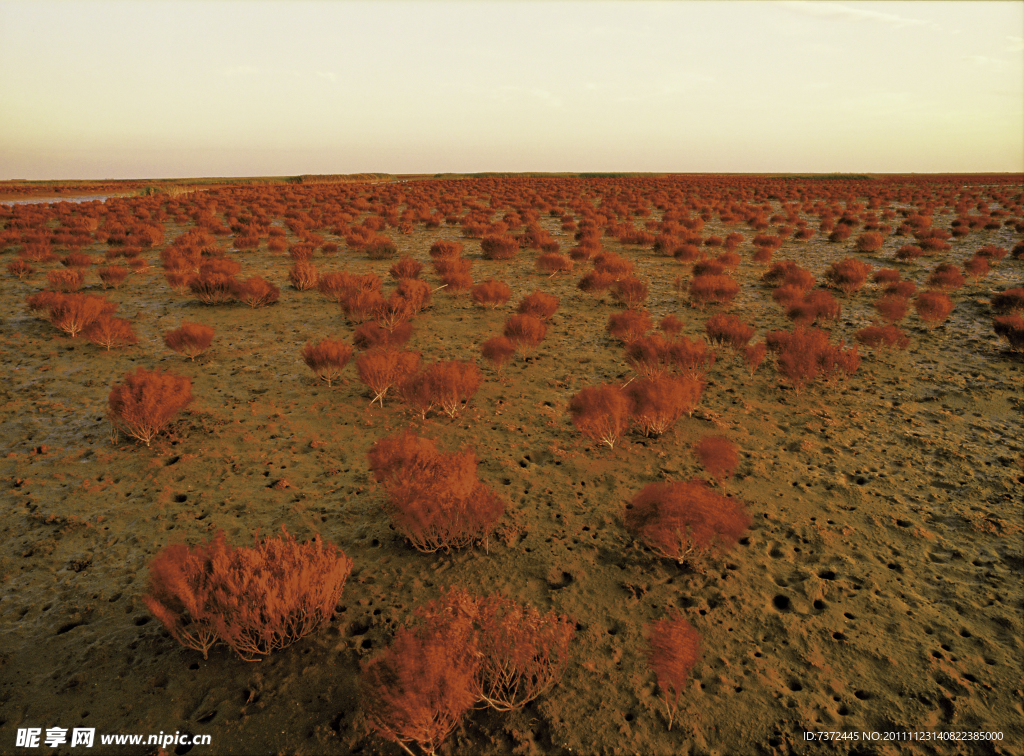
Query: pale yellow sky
183, 88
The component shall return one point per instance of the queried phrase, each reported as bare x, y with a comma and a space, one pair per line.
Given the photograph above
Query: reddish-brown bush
213, 288
629, 325
648, 355
110, 332
673, 650
601, 413
304, 276
327, 358
539, 305
434, 499
178, 281
190, 340
42, 302
145, 402
256, 600
885, 276
491, 293
609, 262
525, 331
445, 248
20, 269
869, 241
596, 280
682, 521
455, 282
888, 336
77, 260
630, 291
112, 276
371, 336
788, 273
498, 350
671, 325
946, 277
892, 308
658, 403
933, 307
380, 248
360, 304
522, 652
691, 358
499, 247
977, 268
711, 289
1011, 328
708, 268
909, 253
418, 690
382, 369
754, 355
847, 275
718, 455
393, 312
728, 330
1009, 301
415, 292
806, 354
256, 292
450, 384
905, 289
65, 280
406, 268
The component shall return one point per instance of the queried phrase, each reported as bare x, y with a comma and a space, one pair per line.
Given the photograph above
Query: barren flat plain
875, 598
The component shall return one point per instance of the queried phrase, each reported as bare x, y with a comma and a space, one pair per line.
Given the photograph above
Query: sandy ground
878, 590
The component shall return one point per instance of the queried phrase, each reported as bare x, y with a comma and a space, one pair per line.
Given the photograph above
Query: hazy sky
183, 88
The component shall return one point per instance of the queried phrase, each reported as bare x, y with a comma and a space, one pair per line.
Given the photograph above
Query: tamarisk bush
491, 293
190, 340
525, 331
498, 350
629, 325
112, 276
673, 650
65, 280
499, 247
718, 456
847, 275
601, 413
382, 369
887, 336
256, 292
806, 354
110, 332
444, 384
658, 403
72, 313
434, 499
538, 304
728, 330
682, 521
1009, 301
256, 600
933, 307
712, 289
145, 402
327, 358
522, 652
303, 276
1011, 328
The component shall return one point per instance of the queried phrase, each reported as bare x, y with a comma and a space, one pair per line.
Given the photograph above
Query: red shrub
905, 289
754, 355
728, 330
191, 339
806, 354
789, 273
499, 247
418, 690
380, 248
76, 260
885, 276
112, 276
601, 413
718, 455
20, 269
338, 285
109, 332
359, 304
909, 253
991, 252
933, 307
711, 289
380, 370
434, 499
1011, 328
609, 262
977, 268
445, 248
538, 304
406, 268
671, 325
327, 358
304, 276
256, 292
892, 308
848, 275
145, 403
683, 520
452, 383
889, 336
869, 241
301, 252
946, 277
455, 282
256, 600
553, 263
178, 281
371, 336
597, 280
498, 351
525, 331
72, 313
659, 402
708, 268
1009, 301
629, 325
522, 652
213, 288
674, 648
630, 291
445, 266
415, 292
491, 293
393, 312
648, 355
691, 358
65, 280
